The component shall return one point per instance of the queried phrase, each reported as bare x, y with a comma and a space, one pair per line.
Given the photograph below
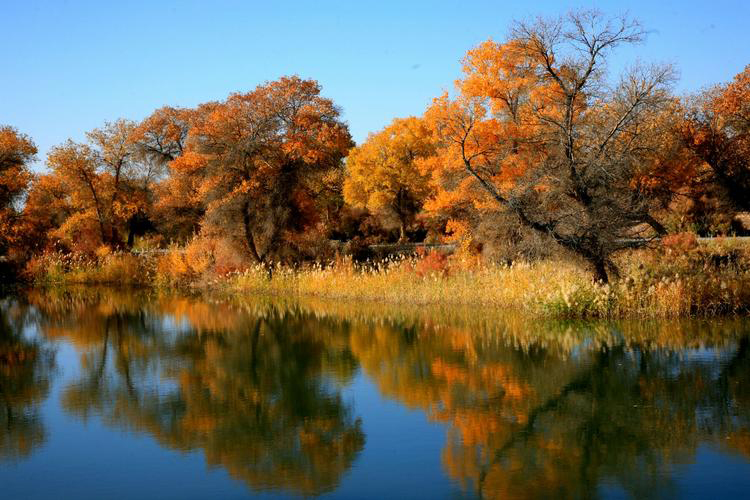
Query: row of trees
537, 130
256, 167
537, 135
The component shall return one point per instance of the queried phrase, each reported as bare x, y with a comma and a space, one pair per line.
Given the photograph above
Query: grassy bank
678, 279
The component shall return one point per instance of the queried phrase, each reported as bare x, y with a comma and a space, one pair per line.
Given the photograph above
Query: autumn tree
382, 174
504, 122
717, 131
106, 185
160, 139
538, 130
47, 207
258, 159
16, 152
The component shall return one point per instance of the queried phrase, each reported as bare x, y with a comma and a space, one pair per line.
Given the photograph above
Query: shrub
680, 243
678, 278
432, 263
172, 268
581, 301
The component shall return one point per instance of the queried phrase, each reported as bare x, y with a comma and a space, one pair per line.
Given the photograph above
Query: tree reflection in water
531, 409
532, 422
258, 393
24, 383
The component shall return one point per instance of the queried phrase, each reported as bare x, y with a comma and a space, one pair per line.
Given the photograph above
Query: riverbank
678, 279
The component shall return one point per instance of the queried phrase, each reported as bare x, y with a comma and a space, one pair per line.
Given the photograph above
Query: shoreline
666, 287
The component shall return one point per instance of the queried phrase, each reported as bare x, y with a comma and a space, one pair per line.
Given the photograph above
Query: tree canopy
537, 128
383, 174
16, 152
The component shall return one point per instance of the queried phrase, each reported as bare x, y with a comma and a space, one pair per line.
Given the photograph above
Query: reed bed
676, 280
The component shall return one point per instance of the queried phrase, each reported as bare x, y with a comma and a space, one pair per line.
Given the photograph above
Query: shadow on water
530, 408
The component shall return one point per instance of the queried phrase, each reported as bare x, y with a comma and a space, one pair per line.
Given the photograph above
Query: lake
129, 393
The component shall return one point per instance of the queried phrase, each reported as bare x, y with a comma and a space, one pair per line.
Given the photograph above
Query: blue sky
69, 66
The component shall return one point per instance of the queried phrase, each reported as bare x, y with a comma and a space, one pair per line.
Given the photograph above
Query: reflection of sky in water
408, 414
711, 474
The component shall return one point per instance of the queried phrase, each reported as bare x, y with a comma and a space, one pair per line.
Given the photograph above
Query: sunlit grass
398, 281
658, 283
663, 288
119, 268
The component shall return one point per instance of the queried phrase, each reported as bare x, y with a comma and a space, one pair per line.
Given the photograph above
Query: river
128, 393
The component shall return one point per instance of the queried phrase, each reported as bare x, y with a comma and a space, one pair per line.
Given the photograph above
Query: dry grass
679, 279
117, 268
403, 281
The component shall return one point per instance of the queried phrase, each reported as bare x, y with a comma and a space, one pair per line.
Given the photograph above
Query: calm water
108, 394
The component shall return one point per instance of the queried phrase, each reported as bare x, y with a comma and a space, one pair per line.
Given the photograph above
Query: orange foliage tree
537, 130
47, 207
97, 192
260, 160
717, 131
161, 139
382, 174
16, 152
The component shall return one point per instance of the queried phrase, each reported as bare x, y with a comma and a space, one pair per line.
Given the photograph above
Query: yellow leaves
716, 131
113, 144
504, 73
103, 251
247, 158
79, 231
173, 267
99, 180
165, 129
384, 169
72, 161
728, 107
468, 135
13, 181
458, 230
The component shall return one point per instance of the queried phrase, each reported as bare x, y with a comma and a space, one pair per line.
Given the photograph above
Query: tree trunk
600, 271
131, 234
655, 225
249, 233
401, 213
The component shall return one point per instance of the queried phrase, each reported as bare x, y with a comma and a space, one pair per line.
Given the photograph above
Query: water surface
107, 393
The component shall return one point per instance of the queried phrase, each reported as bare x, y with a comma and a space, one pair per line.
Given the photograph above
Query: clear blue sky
69, 66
